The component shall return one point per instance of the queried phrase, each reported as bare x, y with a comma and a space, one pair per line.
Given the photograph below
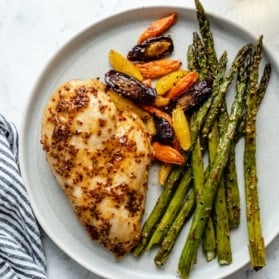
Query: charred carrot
158, 27
167, 154
182, 85
158, 68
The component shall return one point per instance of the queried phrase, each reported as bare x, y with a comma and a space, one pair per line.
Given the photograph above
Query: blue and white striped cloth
21, 250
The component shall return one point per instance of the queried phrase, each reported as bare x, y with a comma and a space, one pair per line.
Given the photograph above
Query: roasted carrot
159, 113
163, 173
158, 68
182, 85
167, 154
165, 83
120, 63
158, 27
181, 128
161, 101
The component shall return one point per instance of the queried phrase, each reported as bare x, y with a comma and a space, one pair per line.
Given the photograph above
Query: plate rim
211, 15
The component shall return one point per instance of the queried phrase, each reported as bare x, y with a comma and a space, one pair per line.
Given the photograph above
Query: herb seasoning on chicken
100, 157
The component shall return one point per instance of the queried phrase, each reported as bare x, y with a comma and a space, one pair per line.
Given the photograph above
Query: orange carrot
182, 85
158, 68
159, 113
167, 154
158, 27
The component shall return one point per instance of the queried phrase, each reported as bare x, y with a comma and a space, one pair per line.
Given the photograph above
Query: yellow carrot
163, 173
161, 101
120, 63
165, 83
181, 128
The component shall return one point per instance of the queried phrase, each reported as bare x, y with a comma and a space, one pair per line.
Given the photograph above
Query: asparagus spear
224, 252
219, 98
209, 238
201, 57
212, 62
256, 240
263, 85
260, 94
230, 178
191, 59
232, 191
203, 208
172, 209
230, 175
207, 36
209, 241
201, 115
172, 234
158, 210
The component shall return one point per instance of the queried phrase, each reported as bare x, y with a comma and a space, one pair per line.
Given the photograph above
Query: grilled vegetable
161, 101
168, 242
183, 85
165, 83
157, 27
181, 128
123, 104
120, 63
203, 208
172, 210
129, 87
151, 49
163, 173
164, 131
159, 113
196, 95
158, 210
167, 154
254, 227
220, 93
158, 68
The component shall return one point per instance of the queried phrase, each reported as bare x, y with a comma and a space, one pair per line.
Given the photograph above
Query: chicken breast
100, 157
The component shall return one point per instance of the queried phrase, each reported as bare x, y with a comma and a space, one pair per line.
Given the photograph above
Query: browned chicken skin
100, 157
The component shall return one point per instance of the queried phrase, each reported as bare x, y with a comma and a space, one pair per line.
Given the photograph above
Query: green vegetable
204, 207
256, 240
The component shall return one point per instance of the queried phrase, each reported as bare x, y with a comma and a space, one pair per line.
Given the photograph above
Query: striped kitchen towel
21, 250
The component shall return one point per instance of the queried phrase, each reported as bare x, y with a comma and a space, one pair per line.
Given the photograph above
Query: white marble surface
31, 31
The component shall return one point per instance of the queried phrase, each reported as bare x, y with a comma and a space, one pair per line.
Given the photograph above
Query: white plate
86, 56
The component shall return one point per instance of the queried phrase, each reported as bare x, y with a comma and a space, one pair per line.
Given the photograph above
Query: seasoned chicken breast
100, 157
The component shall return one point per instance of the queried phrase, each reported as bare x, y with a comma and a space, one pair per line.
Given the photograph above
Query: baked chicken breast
100, 157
